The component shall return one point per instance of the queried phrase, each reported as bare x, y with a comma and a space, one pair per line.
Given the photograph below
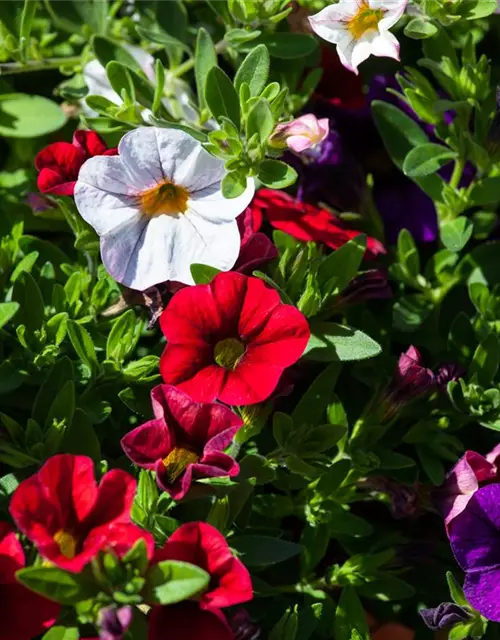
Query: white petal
144, 59
211, 205
140, 154
393, 10
385, 45
199, 240
345, 50
97, 82
330, 22
102, 197
363, 48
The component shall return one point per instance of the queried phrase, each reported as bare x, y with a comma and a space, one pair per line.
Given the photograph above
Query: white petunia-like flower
158, 208
360, 29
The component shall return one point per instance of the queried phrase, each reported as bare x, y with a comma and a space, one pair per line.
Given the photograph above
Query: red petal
147, 444
257, 306
116, 495
50, 181
11, 554
187, 620
191, 316
250, 383
192, 370
119, 538
62, 157
89, 142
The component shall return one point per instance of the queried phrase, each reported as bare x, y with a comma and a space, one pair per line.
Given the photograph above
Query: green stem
458, 169
11, 68
183, 68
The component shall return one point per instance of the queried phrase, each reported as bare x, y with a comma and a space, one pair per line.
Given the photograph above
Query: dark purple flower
411, 380
38, 202
475, 541
405, 499
368, 285
114, 622
444, 616
242, 626
256, 248
447, 372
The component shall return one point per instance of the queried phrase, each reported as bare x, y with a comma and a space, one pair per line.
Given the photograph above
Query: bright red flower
230, 339
305, 221
70, 518
24, 614
187, 620
60, 162
203, 545
185, 442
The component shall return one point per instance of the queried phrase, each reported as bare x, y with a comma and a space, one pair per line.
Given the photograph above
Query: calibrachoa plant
250, 319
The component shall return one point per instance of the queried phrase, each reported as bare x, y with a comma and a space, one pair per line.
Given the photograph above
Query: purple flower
368, 285
38, 202
475, 541
242, 626
447, 372
471, 472
115, 622
444, 616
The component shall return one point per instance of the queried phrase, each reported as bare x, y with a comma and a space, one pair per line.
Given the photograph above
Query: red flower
230, 583
305, 221
187, 620
60, 162
70, 518
256, 248
24, 614
230, 339
186, 441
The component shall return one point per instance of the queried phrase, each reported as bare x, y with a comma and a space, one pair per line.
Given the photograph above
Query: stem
11, 68
183, 68
458, 169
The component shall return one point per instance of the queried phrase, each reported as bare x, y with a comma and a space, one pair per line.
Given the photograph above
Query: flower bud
115, 622
444, 616
300, 134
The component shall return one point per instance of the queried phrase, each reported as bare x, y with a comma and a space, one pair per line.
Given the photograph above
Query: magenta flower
475, 541
470, 473
184, 442
115, 622
256, 248
446, 373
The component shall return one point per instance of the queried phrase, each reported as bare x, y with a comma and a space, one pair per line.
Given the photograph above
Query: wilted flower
25, 614
360, 29
300, 134
158, 208
230, 583
410, 381
444, 616
230, 340
447, 372
470, 473
475, 541
306, 222
242, 626
70, 518
114, 622
367, 285
59, 164
184, 442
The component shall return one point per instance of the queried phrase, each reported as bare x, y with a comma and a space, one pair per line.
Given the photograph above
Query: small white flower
360, 28
158, 208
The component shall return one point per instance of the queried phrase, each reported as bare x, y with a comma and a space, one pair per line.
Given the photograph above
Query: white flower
360, 28
178, 98
158, 208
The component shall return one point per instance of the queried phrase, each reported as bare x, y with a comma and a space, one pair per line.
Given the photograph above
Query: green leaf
431, 464
204, 60
203, 273
221, 96
61, 633
172, 581
29, 116
486, 360
7, 311
164, 38
455, 234
350, 616
80, 438
342, 264
56, 584
312, 406
59, 374
260, 121
261, 551
26, 265
119, 74
420, 28
456, 591
107, 50
121, 337
27, 293
82, 344
330, 341
408, 253
486, 191
277, 174
234, 184
427, 159
63, 406
27, 16
254, 70
287, 626
476, 9
288, 46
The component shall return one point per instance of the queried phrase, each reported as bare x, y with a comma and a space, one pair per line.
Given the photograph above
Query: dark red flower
187, 620
256, 248
70, 518
203, 545
338, 85
230, 340
60, 162
305, 222
24, 614
185, 442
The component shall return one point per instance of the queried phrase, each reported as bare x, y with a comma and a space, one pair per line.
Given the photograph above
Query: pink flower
470, 473
301, 134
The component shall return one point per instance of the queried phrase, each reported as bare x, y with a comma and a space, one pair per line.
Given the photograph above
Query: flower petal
147, 444
209, 203
187, 620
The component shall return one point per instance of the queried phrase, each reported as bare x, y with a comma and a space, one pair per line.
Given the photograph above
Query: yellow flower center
228, 352
67, 543
165, 198
365, 19
177, 460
